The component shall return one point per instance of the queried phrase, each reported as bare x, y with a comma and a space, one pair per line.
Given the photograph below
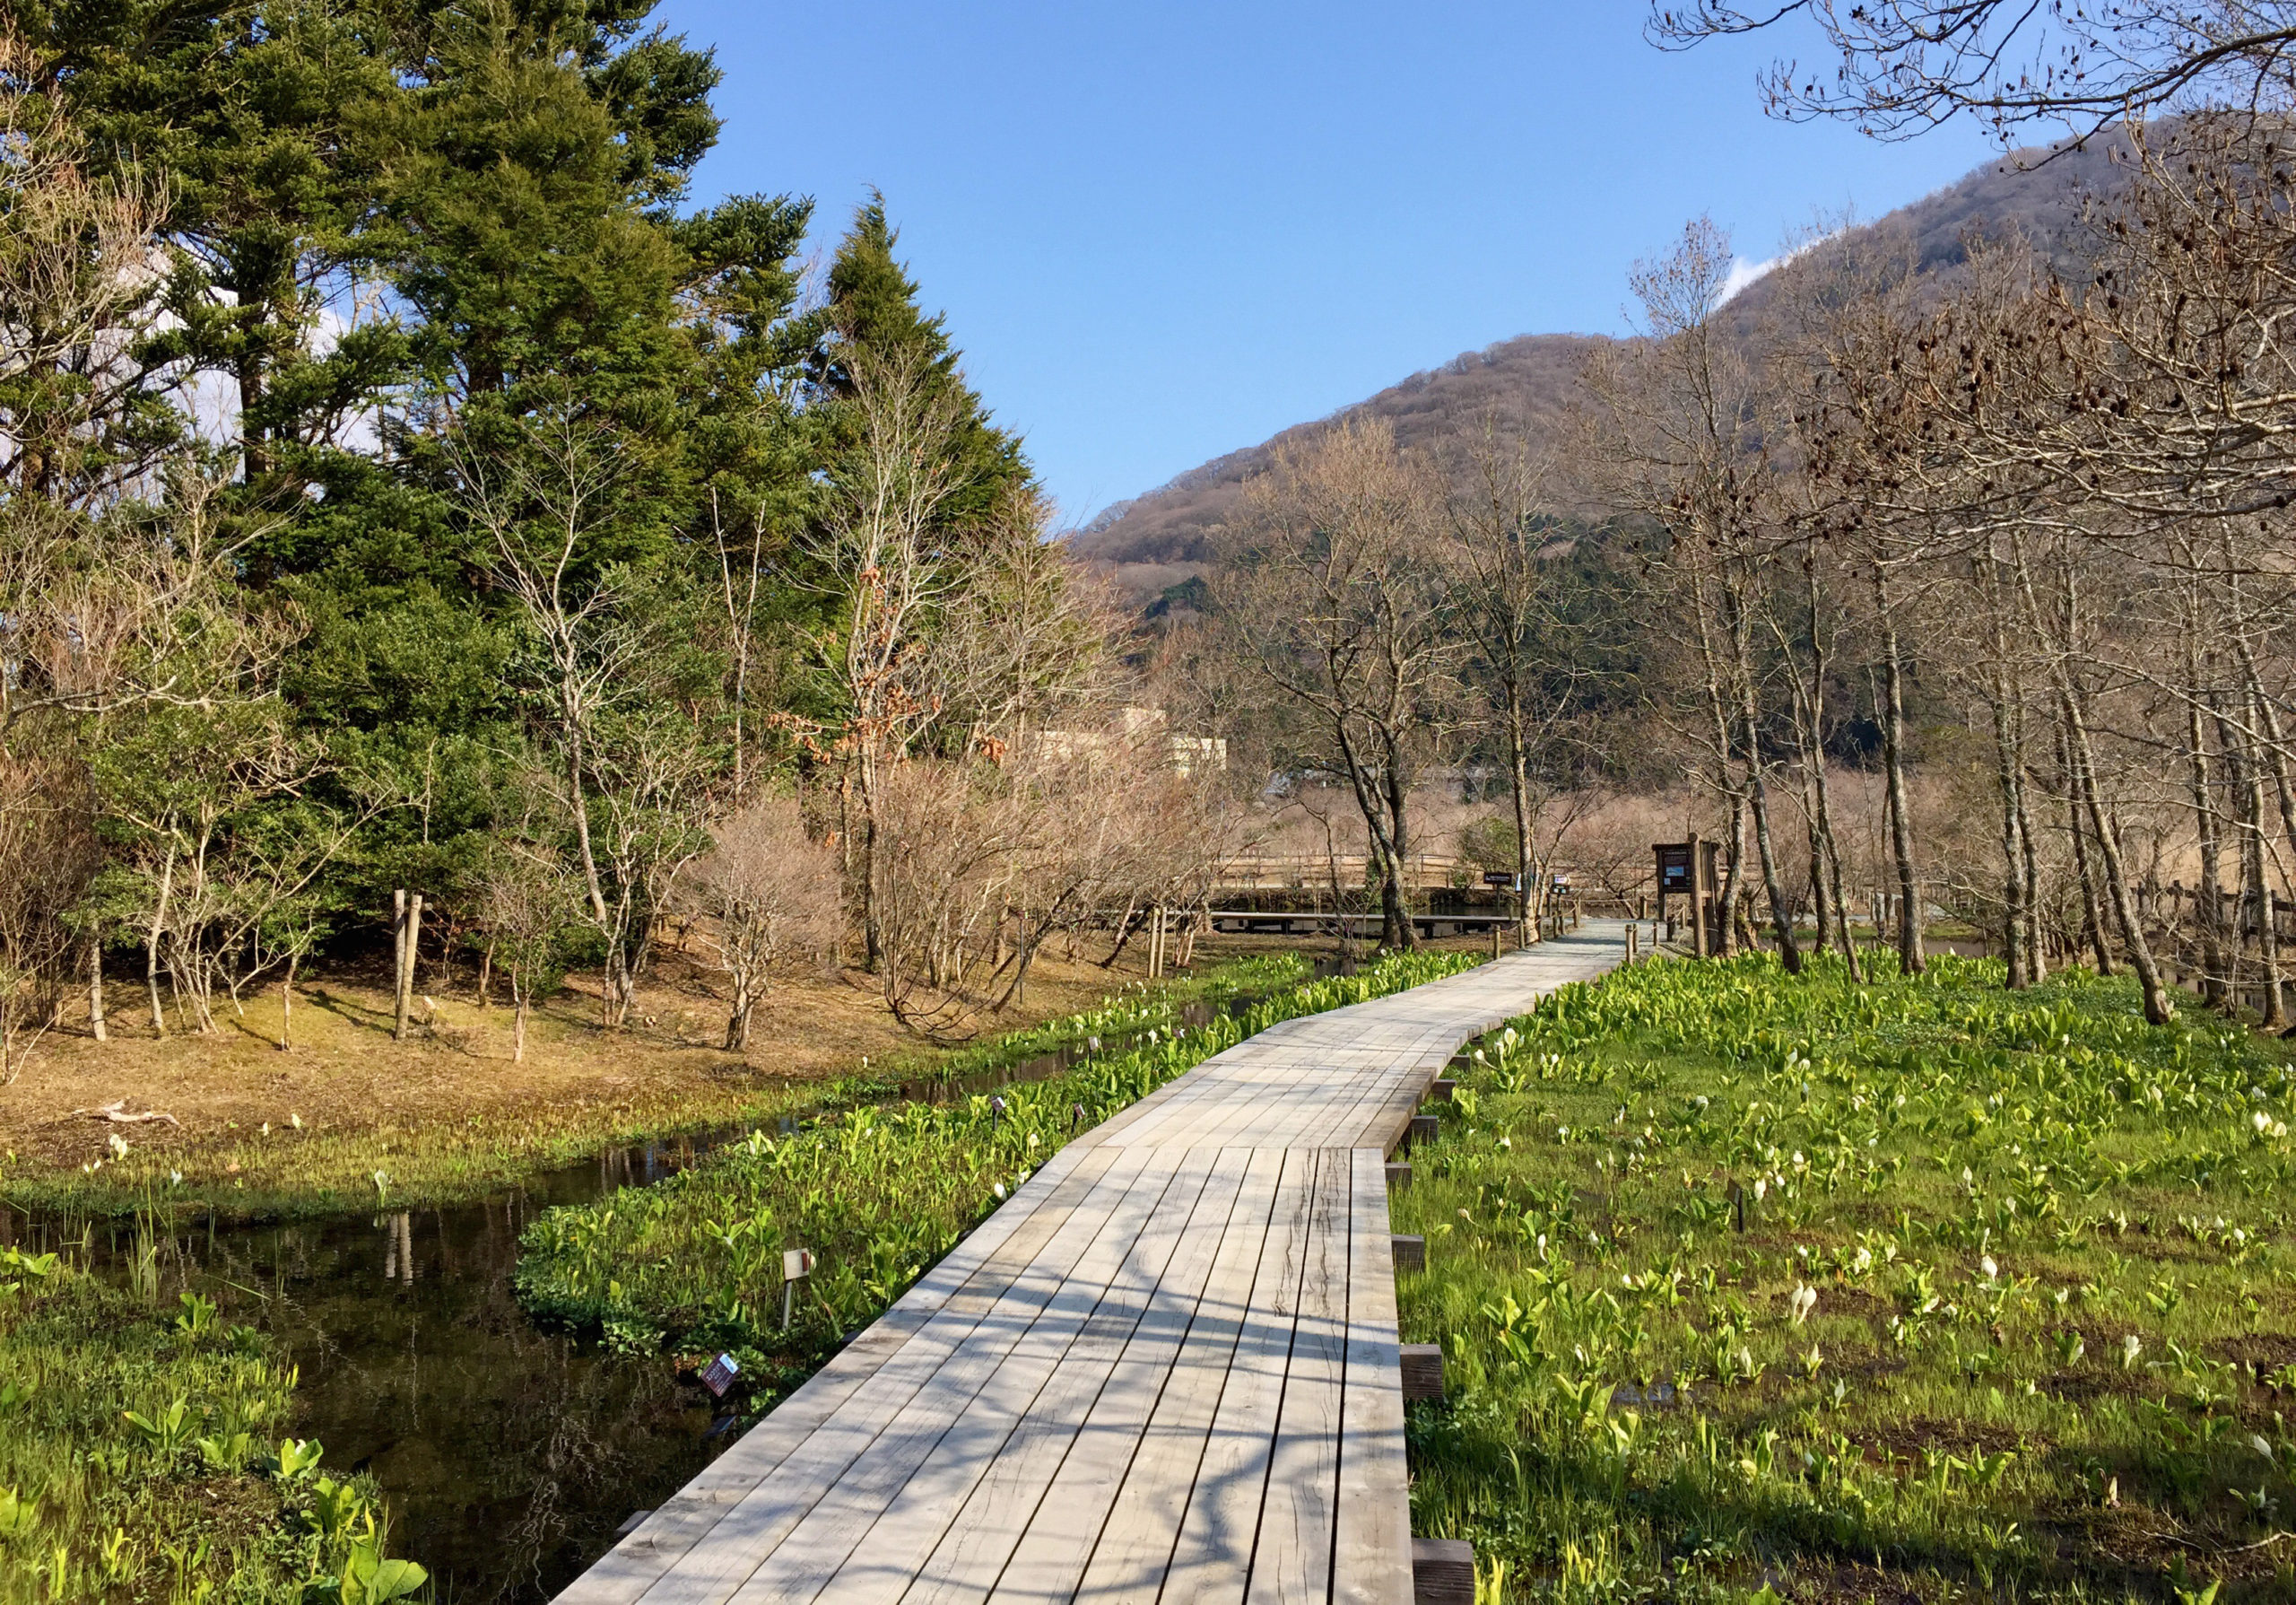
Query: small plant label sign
796, 1263
721, 1375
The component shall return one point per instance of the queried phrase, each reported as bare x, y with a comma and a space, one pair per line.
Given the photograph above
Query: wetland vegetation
146, 1453
240, 1345
879, 1195
1757, 1286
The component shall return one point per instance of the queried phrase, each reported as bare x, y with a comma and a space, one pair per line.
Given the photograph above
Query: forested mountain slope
1160, 539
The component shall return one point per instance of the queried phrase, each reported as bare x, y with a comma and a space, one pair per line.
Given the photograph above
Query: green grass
2011, 1316
879, 1195
141, 1458
284, 1173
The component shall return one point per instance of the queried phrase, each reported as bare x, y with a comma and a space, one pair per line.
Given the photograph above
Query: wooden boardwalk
1167, 1370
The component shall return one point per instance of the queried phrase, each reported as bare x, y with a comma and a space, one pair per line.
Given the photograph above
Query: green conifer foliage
873, 307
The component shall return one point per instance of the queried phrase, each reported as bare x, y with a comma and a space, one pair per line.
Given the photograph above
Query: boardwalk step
1442, 1571
1410, 1252
1423, 1372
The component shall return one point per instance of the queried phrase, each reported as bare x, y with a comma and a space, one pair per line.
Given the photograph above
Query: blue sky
1161, 231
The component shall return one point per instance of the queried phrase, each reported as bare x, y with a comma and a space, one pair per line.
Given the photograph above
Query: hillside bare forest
1939, 575
1523, 387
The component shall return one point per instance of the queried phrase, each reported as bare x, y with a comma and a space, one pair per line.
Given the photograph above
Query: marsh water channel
510, 1455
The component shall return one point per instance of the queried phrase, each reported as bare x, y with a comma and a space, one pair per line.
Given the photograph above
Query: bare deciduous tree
531, 905
550, 493
770, 893
1335, 594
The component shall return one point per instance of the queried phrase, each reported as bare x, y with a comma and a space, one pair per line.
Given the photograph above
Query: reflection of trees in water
588, 1465
510, 1455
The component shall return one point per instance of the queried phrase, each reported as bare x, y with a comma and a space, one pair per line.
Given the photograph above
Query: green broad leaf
394, 1579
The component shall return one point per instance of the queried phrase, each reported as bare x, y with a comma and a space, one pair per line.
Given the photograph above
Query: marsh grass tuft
2003, 1320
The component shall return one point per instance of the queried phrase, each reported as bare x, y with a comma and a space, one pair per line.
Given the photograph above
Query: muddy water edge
510, 1455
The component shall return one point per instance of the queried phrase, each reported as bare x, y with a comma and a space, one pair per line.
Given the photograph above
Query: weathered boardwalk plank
1166, 1371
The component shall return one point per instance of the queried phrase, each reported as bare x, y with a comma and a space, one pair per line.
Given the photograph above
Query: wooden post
408, 908
398, 964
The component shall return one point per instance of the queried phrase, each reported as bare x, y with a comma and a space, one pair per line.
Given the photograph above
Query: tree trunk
2216, 974
594, 884
1846, 937
1749, 719
1781, 906
1717, 713
96, 989
872, 936
407, 906
737, 1024
2246, 775
1820, 896
1124, 932
399, 964
1397, 933
2016, 891
1911, 959
152, 943
1729, 899
1519, 782
1825, 859
2036, 947
2092, 907
287, 1006
2158, 1009
2017, 888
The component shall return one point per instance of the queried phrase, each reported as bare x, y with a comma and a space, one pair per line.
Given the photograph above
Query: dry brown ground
449, 1111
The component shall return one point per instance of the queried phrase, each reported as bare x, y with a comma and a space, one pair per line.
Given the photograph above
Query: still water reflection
510, 1455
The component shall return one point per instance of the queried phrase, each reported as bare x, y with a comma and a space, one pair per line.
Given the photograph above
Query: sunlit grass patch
466, 1143
2010, 1314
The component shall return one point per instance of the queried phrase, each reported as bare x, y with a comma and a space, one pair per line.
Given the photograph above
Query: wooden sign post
1687, 868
